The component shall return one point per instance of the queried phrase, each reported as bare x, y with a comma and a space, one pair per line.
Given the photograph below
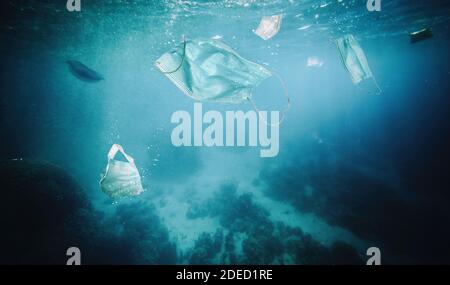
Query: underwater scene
254, 132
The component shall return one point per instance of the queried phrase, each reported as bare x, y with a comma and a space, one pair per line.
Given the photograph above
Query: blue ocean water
354, 169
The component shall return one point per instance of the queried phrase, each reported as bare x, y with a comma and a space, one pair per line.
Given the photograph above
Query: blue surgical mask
209, 70
354, 59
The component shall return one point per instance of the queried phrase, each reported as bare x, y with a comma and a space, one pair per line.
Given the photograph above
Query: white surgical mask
121, 178
354, 59
269, 26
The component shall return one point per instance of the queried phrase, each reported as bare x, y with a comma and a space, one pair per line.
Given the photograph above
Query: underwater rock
83, 72
308, 251
198, 210
366, 205
206, 248
253, 238
144, 234
42, 213
344, 254
239, 213
262, 249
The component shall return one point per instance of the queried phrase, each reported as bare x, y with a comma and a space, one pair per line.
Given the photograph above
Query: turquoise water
354, 169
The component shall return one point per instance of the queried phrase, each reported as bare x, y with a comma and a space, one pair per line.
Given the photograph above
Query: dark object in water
40, 205
420, 35
83, 72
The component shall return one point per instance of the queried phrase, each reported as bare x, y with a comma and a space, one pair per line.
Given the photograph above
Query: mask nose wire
182, 58
286, 109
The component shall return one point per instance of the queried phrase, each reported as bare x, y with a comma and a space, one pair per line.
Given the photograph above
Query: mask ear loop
283, 113
378, 86
182, 58
115, 148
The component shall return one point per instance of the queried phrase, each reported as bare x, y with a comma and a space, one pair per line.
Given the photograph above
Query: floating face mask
209, 70
269, 26
314, 61
354, 59
121, 179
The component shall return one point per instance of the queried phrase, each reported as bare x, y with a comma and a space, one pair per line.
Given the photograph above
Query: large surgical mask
354, 60
121, 178
210, 70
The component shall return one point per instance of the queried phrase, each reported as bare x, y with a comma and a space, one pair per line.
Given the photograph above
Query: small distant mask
269, 26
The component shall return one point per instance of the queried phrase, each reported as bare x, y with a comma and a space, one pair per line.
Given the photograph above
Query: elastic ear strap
113, 151
116, 148
378, 86
129, 158
286, 109
182, 58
